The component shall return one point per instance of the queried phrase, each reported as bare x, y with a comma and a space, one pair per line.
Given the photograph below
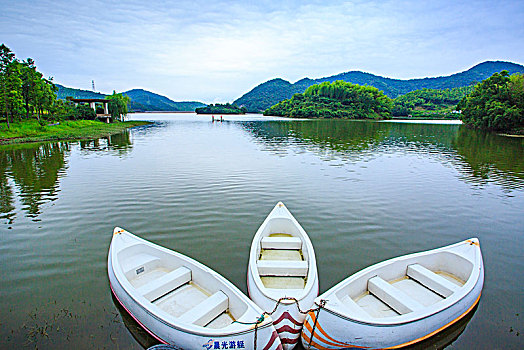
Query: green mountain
146, 101
141, 100
64, 92
273, 91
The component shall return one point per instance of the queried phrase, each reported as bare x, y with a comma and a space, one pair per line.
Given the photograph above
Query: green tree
335, 100
495, 104
10, 83
30, 79
45, 97
118, 105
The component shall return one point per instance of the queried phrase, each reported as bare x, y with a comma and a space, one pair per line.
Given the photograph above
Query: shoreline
65, 131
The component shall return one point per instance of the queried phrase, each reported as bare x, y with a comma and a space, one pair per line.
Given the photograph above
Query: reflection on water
120, 143
320, 135
447, 337
364, 192
30, 173
35, 170
491, 157
481, 157
139, 334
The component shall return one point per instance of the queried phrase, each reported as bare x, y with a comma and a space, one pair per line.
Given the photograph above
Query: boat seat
139, 264
431, 280
290, 243
394, 297
163, 285
353, 307
291, 268
207, 310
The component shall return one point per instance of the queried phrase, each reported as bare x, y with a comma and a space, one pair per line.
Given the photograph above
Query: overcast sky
217, 50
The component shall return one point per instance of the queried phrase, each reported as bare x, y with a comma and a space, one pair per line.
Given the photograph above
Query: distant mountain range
273, 91
141, 100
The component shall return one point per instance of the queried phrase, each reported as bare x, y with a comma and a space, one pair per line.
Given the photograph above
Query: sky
217, 50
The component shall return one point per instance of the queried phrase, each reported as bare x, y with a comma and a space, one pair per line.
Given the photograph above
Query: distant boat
398, 302
181, 302
282, 264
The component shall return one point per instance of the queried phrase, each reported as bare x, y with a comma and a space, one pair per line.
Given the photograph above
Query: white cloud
218, 50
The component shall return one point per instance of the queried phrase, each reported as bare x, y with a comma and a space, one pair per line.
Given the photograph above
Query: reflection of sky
218, 50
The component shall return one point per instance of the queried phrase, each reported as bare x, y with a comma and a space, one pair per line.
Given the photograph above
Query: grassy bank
32, 131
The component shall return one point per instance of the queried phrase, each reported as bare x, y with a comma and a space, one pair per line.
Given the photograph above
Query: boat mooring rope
322, 303
263, 316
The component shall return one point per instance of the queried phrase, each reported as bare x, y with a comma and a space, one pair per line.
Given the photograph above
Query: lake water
364, 192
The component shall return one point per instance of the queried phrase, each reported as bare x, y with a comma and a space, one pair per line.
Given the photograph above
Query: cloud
201, 50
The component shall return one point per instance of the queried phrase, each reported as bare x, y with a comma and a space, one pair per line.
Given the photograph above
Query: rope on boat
263, 316
322, 303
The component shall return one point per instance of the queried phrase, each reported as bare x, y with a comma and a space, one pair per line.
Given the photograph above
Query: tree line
221, 109
496, 103
429, 102
339, 99
26, 94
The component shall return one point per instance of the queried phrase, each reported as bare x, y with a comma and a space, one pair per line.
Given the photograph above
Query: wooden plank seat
431, 280
290, 268
290, 243
394, 297
165, 284
141, 263
207, 310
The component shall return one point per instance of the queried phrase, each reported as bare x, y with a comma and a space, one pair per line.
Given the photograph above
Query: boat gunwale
312, 274
179, 326
170, 325
466, 289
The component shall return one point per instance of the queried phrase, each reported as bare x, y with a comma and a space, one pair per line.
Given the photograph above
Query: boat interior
281, 263
404, 287
172, 287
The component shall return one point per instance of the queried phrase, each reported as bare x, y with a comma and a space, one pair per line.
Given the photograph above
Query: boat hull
288, 316
334, 331
167, 333
283, 303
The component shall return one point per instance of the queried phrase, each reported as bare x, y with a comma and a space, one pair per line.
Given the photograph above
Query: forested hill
64, 92
273, 91
141, 100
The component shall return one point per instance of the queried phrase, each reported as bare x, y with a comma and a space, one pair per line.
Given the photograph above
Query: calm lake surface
364, 192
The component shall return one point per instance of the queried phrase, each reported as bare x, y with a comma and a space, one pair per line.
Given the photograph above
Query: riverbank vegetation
33, 131
25, 94
430, 103
335, 100
30, 110
496, 104
221, 109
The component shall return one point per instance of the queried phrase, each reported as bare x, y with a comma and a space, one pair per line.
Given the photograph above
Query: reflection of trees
121, 143
35, 170
479, 156
491, 157
6, 192
425, 135
341, 136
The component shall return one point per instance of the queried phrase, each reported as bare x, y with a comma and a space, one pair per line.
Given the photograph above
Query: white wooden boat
282, 264
398, 302
181, 302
